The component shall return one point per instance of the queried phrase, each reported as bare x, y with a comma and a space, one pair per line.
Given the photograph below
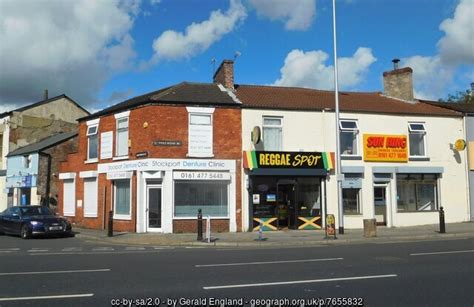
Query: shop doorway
286, 204
154, 208
380, 203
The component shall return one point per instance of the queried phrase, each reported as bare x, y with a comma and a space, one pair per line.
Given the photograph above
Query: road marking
265, 262
134, 248
47, 297
298, 282
54, 272
72, 249
98, 253
37, 250
9, 249
103, 249
6, 252
163, 247
442, 253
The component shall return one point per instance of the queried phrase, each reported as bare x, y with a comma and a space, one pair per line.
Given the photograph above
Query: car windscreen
28, 211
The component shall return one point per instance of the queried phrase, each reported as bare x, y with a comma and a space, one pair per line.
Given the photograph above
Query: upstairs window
92, 142
272, 133
27, 161
417, 140
121, 149
349, 137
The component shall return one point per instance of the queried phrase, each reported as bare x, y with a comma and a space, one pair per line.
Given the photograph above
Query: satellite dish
256, 135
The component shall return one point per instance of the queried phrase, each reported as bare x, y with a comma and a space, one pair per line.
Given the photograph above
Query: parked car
28, 221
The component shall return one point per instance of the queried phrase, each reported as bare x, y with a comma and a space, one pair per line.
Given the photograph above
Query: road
72, 272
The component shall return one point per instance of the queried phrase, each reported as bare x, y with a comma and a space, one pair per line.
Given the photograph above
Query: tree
459, 97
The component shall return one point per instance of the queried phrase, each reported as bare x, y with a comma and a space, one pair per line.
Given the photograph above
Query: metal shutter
90, 197
69, 197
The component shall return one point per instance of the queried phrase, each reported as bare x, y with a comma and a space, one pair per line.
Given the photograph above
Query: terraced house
254, 156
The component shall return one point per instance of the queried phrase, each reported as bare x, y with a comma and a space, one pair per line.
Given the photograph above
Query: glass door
154, 207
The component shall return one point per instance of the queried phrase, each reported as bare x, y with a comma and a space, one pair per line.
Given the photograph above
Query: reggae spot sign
287, 159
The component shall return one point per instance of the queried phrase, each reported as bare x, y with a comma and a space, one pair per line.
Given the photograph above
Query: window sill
354, 157
120, 158
123, 217
424, 211
353, 214
91, 161
419, 158
199, 156
89, 216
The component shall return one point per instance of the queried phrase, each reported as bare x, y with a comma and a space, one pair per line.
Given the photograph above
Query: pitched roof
293, 98
45, 101
182, 93
43, 144
460, 107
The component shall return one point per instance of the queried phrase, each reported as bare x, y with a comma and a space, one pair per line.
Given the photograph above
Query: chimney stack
225, 74
46, 94
398, 83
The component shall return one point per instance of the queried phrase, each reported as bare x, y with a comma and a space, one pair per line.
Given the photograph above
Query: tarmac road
71, 272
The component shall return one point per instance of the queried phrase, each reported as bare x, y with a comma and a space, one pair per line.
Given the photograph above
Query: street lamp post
338, 152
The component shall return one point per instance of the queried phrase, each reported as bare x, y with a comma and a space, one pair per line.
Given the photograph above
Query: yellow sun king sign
386, 148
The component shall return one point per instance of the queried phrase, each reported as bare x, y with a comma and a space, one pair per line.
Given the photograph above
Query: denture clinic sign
385, 148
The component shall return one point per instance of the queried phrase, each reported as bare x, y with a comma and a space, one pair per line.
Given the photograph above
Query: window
417, 134
272, 133
417, 192
92, 142
351, 201
122, 199
210, 196
200, 135
348, 138
27, 161
69, 196
90, 197
122, 137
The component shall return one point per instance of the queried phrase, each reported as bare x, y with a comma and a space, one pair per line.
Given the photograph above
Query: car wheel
25, 232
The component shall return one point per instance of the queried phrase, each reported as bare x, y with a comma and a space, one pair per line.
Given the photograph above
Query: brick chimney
398, 83
225, 74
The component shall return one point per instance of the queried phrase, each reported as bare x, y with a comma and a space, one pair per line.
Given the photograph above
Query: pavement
283, 238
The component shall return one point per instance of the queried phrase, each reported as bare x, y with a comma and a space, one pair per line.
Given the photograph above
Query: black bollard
110, 229
442, 226
199, 225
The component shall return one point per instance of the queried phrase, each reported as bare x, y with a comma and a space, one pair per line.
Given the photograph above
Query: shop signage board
385, 148
167, 164
106, 144
288, 159
330, 226
201, 176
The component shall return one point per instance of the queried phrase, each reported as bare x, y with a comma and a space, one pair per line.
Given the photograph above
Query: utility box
370, 228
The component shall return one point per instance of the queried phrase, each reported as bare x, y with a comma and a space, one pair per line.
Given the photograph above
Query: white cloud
198, 37
297, 15
430, 76
457, 46
308, 69
69, 47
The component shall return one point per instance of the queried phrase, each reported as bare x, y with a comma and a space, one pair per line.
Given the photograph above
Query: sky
102, 52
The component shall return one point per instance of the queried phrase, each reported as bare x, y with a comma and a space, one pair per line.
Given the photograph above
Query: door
286, 210
154, 207
380, 203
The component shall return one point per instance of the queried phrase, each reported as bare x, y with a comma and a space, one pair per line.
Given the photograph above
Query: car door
15, 221
5, 219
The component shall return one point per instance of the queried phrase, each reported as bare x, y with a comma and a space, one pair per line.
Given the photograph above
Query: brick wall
183, 226
147, 124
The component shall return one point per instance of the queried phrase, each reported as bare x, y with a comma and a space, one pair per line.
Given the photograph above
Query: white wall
315, 131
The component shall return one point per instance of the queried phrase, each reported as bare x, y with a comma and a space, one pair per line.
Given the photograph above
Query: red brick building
155, 159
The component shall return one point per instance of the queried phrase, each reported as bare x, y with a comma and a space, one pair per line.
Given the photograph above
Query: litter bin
370, 228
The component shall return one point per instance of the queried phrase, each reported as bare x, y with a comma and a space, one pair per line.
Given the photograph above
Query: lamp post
338, 151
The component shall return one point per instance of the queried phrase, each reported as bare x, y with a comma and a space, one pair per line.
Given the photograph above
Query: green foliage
459, 97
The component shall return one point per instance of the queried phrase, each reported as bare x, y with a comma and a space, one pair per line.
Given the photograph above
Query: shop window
92, 142
272, 133
417, 142
417, 192
349, 134
200, 135
209, 196
122, 199
90, 197
308, 197
351, 201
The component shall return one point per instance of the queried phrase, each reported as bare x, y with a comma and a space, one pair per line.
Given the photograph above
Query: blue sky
102, 52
